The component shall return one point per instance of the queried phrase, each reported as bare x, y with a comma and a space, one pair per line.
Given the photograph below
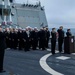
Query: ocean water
65, 30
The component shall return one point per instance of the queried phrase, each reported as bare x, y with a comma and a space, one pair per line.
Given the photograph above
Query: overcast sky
58, 12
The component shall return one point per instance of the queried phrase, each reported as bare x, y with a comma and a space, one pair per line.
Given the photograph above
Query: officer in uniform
68, 33
53, 40
30, 36
7, 32
15, 38
2, 49
23, 38
60, 38
20, 38
27, 45
35, 38
42, 38
47, 37
11, 38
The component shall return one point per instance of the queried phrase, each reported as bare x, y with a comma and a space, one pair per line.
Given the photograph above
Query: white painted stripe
63, 57
73, 53
44, 65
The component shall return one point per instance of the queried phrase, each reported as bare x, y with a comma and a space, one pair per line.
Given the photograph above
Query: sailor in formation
2, 49
60, 38
28, 38
32, 39
53, 40
68, 33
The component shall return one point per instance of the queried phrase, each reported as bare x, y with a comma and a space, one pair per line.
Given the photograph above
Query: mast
10, 18
6, 12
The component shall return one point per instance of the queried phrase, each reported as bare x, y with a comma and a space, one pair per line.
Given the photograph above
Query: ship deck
30, 63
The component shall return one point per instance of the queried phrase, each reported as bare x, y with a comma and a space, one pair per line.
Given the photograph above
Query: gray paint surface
20, 62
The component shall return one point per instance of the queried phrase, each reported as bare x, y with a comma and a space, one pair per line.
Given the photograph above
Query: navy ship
22, 15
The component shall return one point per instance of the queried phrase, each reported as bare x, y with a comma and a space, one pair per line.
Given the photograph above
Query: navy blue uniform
2, 49
53, 42
47, 37
42, 39
60, 39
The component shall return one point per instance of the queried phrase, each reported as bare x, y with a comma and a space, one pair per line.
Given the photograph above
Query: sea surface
65, 30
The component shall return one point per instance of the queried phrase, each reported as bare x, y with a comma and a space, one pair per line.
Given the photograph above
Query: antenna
39, 3
14, 1
27, 1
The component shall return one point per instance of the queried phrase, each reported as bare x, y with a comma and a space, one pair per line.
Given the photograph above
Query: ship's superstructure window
13, 6
30, 5
12, 14
26, 5
42, 8
6, 11
23, 5
0, 11
11, 1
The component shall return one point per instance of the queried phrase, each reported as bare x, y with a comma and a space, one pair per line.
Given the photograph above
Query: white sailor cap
10, 27
20, 28
41, 28
0, 24
35, 28
28, 27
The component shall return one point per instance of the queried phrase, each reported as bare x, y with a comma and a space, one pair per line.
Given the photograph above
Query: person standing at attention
2, 49
53, 40
68, 33
60, 38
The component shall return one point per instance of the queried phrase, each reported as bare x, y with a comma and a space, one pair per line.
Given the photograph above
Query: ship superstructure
22, 15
